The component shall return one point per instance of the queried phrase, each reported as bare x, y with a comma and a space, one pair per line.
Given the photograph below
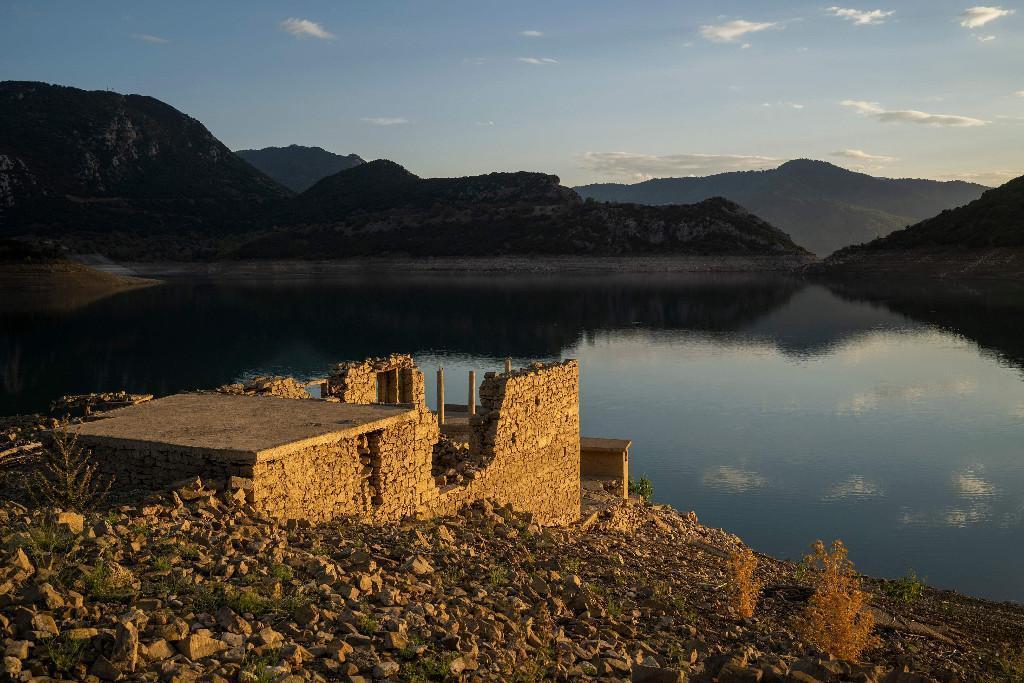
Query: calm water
892, 417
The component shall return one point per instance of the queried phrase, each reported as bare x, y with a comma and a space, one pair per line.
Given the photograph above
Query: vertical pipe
440, 395
472, 392
508, 365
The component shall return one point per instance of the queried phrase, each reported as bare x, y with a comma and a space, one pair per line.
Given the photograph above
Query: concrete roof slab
236, 425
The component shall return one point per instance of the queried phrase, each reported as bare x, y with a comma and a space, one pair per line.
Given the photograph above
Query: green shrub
641, 487
906, 589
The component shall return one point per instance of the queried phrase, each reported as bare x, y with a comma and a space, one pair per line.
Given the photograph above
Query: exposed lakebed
889, 416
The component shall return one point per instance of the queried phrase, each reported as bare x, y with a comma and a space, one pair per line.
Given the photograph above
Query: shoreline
931, 263
541, 265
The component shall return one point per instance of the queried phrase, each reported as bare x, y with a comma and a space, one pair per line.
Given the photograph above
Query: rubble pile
196, 586
260, 385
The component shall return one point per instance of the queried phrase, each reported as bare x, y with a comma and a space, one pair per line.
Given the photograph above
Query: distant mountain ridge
982, 239
381, 208
821, 206
132, 178
296, 167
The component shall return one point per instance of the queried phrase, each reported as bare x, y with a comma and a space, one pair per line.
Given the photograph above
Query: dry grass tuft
66, 475
836, 619
744, 589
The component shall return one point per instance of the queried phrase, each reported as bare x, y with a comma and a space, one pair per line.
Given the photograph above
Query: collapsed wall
390, 379
528, 435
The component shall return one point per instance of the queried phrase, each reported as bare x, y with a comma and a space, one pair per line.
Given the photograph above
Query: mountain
381, 208
95, 161
132, 178
822, 206
983, 238
297, 167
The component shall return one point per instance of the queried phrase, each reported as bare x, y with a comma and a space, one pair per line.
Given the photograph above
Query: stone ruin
369, 448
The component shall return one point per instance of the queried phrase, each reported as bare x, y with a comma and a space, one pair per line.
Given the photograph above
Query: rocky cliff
73, 159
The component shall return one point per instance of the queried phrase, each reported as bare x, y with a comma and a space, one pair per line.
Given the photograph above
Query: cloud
874, 110
531, 33
791, 105
302, 28
730, 31
975, 17
147, 38
985, 39
485, 123
644, 166
861, 155
538, 60
385, 120
861, 17
1019, 93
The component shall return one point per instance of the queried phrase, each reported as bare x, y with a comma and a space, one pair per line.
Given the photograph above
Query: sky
590, 90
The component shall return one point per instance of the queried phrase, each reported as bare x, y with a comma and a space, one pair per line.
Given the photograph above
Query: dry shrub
836, 619
66, 475
744, 589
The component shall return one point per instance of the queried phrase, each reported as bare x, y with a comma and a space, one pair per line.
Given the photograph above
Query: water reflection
786, 411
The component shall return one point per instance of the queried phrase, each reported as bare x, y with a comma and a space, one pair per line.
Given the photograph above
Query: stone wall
527, 434
391, 379
139, 466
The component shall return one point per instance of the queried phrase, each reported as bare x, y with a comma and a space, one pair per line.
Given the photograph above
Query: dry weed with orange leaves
836, 619
744, 589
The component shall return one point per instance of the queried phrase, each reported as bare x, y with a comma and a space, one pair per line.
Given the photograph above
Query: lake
890, 415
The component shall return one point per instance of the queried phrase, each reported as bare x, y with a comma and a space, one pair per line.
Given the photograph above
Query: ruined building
369, 447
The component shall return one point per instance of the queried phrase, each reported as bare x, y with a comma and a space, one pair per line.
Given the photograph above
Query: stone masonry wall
528, 434
356, 381
152, 467
382, 475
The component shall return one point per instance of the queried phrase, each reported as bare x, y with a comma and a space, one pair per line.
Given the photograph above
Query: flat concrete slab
593, 443
256, 425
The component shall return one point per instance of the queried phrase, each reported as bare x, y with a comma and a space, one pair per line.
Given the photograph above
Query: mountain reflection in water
887, 414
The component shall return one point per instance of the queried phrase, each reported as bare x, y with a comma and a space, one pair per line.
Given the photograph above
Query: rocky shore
194, 585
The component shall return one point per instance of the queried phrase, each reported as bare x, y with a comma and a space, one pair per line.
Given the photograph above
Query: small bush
906, 589
836, 619
254, 667
641, 487
367, 625
66, 475
432, 667
55, 551
109, 581
281, 572
744, 588
65, 653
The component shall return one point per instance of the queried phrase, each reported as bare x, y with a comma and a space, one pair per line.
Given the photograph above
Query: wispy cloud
303, 28
732, 31
149, 38
1020, 93
634, 166
861, 155
385, 120
876, 111
862, 17
981, 15
985, 39
790, 105
531, 33
538, 61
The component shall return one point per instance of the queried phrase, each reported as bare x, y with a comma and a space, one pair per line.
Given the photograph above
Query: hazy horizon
591, 92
